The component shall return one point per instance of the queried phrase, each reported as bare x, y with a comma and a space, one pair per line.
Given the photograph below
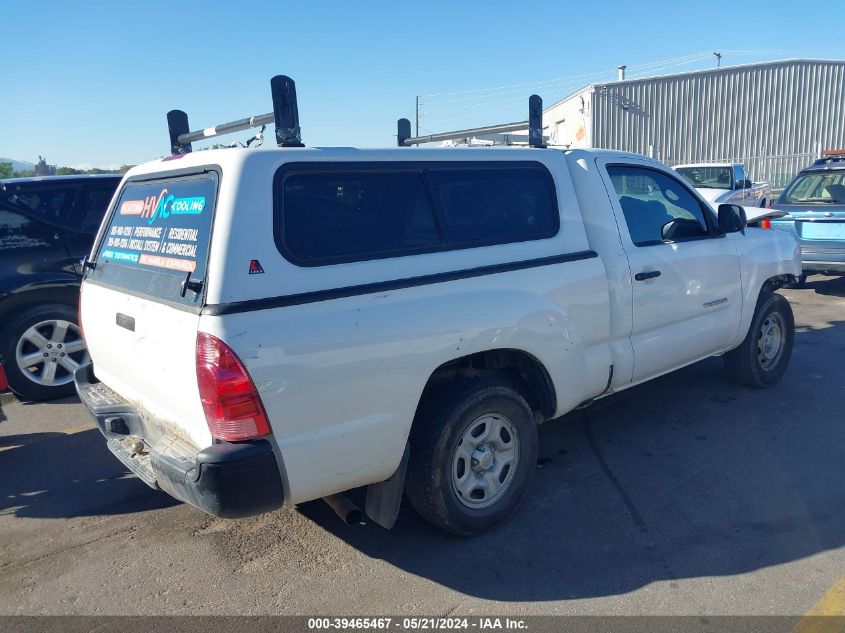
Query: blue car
815, 203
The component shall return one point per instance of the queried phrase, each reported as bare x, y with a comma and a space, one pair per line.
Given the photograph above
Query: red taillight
232, 407
765, 224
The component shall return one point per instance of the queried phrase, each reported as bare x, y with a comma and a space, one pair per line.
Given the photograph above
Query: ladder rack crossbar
285, 115
227, 128
459, 134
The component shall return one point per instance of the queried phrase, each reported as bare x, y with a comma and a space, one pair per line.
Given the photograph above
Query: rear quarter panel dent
341, 380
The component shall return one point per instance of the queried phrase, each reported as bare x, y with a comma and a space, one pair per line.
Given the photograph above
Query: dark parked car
815, 202
47, 226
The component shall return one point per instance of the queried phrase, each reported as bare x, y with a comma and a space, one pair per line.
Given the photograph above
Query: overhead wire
474, 101
566, 77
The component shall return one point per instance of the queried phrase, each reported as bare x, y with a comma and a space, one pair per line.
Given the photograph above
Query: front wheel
473, 451
762, 358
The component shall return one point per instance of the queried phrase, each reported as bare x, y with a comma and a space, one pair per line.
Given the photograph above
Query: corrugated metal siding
772, 116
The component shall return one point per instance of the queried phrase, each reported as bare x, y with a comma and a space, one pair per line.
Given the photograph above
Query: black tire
748, 364
444, 417
20, 382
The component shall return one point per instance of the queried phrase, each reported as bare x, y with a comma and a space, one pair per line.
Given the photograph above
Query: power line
484, 111
647, 67
701, 55
474, 101
558, 83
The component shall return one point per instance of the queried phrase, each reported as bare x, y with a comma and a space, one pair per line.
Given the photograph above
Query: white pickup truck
726, 183
273, 326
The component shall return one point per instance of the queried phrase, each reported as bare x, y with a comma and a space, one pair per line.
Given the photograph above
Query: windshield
818, 188
707, 177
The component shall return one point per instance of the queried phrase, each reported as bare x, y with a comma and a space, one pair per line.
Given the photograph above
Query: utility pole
418, 116
718, 58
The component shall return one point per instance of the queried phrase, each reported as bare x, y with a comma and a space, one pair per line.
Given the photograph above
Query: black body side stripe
216, 309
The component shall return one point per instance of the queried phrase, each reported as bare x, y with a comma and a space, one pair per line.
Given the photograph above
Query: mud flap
385, 497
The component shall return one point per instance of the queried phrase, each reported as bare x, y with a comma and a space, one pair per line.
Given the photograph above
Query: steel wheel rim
50, 351
485, 460
770, 341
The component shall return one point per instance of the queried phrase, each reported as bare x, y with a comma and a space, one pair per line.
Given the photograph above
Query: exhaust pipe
348, 512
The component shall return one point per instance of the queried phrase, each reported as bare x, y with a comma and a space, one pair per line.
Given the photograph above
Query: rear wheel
762, 358
43, 346
473, 452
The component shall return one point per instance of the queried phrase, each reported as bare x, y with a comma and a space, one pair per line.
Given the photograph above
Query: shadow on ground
54, 475
686, 476
829, 286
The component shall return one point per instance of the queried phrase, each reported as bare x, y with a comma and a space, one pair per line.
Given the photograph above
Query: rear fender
377, 352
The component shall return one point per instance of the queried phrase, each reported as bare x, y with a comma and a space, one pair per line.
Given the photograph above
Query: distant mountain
18, 165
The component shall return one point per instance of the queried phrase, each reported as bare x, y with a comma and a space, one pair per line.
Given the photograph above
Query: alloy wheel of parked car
43, 347
50, 351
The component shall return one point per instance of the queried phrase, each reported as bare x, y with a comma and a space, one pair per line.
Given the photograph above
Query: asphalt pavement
686, 495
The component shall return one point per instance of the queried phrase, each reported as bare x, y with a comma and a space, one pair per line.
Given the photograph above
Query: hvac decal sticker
255, 267
162, 206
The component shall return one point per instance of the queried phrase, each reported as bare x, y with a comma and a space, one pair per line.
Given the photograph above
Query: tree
67, 171
6, 170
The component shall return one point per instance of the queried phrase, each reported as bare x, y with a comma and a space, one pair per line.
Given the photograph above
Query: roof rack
285, 114
534, 125
832, 158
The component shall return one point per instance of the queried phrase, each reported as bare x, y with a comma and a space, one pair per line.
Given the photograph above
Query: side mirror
731, 218
744, 184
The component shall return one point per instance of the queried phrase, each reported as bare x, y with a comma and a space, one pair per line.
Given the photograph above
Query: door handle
651, 274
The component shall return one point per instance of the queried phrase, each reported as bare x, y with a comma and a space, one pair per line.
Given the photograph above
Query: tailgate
140, 304
145, 351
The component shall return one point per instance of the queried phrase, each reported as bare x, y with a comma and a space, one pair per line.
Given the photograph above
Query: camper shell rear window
157, 237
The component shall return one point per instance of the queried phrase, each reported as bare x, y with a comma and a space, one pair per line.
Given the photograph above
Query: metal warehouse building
774, 116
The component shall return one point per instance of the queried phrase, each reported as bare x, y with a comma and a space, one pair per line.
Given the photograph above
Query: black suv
47, 226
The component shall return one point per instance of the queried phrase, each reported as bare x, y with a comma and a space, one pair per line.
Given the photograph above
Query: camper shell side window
333, 213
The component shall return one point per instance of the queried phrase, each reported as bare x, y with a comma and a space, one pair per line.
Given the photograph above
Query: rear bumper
816, 255
226, 480
814, 261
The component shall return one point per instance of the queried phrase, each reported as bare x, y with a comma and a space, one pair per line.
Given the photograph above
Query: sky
89, 83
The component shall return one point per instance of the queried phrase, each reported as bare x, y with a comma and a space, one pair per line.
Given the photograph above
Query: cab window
658, 209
